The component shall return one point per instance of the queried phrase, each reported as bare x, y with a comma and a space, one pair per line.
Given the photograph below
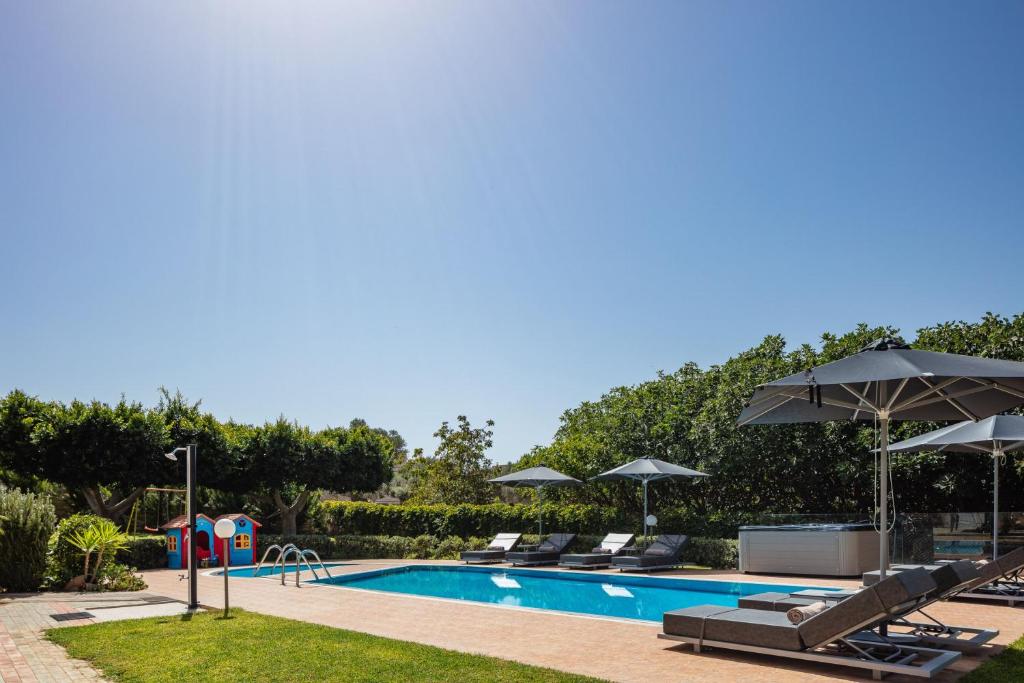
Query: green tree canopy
459, 468
291, 462
689, 417
108, 453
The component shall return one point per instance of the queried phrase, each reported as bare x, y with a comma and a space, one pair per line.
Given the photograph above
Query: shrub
717, 553
26, 522
114, 576
63, 559
144, 552
422, 547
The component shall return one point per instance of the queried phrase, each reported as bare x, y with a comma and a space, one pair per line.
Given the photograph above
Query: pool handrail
310, 551
281, 551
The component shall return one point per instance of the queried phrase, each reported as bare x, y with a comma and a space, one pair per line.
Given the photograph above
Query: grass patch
1007, 666
254, 647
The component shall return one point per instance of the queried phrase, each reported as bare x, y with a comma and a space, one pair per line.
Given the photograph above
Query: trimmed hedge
466, 521
26, 521
144, 552
717, 553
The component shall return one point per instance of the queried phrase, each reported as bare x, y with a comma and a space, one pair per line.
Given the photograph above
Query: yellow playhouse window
242, 542
172, 543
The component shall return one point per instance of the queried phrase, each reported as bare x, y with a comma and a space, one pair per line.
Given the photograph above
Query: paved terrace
611, 649
27, 657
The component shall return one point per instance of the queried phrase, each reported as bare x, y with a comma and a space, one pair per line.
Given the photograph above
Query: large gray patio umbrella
994, 436
538, 478
888, 380
646, 470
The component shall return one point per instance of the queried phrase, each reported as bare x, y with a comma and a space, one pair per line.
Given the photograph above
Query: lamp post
224, 529
190, 498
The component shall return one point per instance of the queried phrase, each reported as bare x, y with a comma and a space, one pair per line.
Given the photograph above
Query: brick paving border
25, 654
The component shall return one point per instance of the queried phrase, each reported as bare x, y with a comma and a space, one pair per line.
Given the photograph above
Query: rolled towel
800, 614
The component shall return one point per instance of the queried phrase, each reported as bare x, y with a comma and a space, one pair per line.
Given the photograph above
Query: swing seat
150, 530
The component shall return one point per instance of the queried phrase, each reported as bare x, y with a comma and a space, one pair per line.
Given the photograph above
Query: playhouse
241, 546
178, 540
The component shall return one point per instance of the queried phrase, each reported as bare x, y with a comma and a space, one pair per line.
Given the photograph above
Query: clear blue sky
408, 211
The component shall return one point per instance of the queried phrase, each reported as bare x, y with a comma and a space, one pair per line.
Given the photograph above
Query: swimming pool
608, 595
250, 572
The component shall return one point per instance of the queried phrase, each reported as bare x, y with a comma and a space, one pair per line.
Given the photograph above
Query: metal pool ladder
288, 550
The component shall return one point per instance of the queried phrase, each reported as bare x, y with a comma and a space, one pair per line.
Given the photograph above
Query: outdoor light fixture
190, 504
224, 529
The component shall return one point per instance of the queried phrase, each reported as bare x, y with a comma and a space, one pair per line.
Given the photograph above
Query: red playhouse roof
240, 515
181, 521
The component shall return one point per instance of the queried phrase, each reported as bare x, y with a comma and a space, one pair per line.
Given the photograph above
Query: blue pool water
250, 572
960, 547
606, 595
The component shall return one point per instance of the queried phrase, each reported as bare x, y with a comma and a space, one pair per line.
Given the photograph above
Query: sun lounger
827, 637
999, 580
949, 580
664, 553
546, 552
601, 556
495, 552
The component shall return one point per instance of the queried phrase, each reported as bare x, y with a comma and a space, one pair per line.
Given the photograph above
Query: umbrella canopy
537, 478
889, 380
995, 436
646, 470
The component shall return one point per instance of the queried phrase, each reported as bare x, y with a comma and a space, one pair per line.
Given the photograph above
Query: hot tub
810, 549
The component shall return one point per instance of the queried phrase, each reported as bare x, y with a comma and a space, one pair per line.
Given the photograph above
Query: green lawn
1007, 666
254, 647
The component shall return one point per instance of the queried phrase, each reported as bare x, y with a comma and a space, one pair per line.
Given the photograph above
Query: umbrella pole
995, 503
883, 541
645, 510
540, 513
883, 472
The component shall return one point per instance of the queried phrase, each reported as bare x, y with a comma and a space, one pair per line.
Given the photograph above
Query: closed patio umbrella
538, 478
994, 436
889, 380
648, 469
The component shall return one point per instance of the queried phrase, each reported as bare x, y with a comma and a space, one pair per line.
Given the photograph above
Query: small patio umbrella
889, 380
995, 436
646, 470
538, 478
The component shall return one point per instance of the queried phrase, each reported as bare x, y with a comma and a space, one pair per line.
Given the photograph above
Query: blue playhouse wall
176, 558
244, 529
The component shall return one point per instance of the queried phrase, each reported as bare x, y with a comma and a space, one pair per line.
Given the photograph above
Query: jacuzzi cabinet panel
814, 551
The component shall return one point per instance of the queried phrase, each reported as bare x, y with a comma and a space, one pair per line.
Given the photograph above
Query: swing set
163, 505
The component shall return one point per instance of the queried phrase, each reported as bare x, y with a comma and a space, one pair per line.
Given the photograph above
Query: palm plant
101, 538
109, 540
87, 540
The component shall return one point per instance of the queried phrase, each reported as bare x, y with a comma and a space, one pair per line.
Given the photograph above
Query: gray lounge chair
827, 637
949, 580
495, 552
999, 580
601, 556
547, 552
665, 553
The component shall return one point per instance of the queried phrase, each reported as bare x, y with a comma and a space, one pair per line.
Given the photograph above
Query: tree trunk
290, 513
105, 508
